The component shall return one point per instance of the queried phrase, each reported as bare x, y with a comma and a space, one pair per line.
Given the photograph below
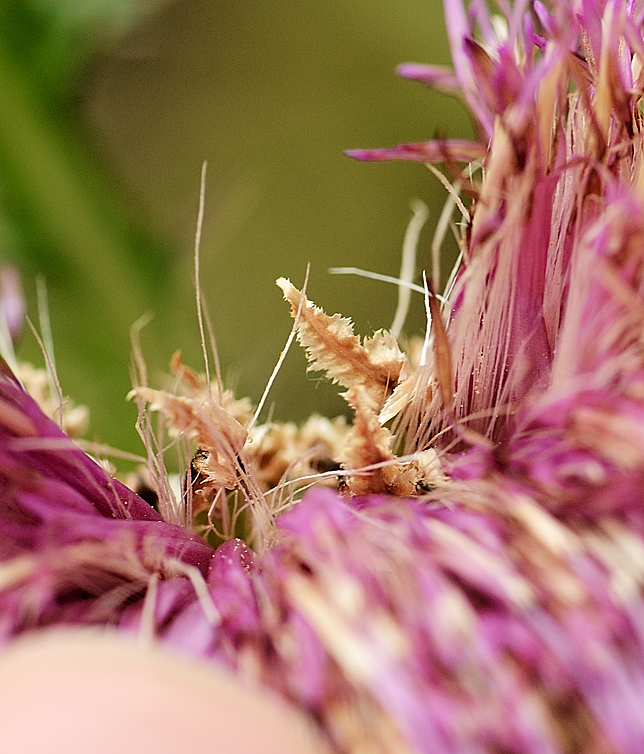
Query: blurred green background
108, 109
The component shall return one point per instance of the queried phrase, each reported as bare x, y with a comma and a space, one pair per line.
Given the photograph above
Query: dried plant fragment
442, 355
368, 444
196, 383
211, 426
219, 465
376, 365
368, 452
282, 451
195, 386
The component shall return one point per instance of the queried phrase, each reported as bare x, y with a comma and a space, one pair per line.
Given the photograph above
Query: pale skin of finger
73, 692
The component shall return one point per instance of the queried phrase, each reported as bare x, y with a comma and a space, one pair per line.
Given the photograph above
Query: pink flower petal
454, 150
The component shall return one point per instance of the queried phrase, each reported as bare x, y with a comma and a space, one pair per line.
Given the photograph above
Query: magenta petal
458, 29
446, 150
437, 77
40, 446
78, 534
499, 80
230, 581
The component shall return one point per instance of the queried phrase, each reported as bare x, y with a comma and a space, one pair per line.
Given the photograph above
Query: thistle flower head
491, 600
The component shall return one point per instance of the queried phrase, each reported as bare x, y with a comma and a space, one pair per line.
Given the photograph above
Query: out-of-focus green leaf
53, 40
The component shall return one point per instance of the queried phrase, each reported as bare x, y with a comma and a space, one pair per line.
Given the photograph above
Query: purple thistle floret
503, 611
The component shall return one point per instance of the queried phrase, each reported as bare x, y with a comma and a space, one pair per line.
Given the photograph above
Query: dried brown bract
374, 372
331, 346
283, 451
368, 452
208, 424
